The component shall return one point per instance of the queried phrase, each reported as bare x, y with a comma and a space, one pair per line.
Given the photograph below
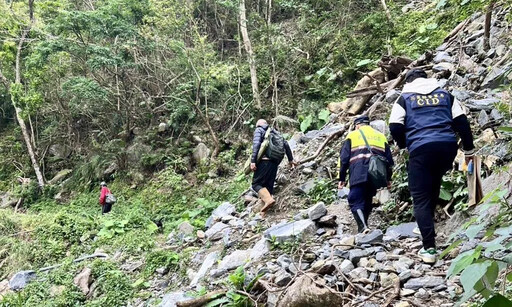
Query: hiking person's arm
460, 125
257, 139
289, 154
397, 122
103, 195
344, 161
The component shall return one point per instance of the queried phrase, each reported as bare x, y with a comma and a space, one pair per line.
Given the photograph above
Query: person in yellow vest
355, 157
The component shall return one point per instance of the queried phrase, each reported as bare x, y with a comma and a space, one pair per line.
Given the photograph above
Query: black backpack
275, 148
377, 167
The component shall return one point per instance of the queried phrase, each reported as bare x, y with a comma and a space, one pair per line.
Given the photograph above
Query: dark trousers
265, 176
427, 165
106, 208
360, 197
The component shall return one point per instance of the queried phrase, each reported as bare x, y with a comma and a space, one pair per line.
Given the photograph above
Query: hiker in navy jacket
425, 119
265, 170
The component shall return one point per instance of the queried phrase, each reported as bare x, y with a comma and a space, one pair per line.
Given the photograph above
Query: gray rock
383, 196
443, 68
162, 127
403, 264
282, 278
442, 83
201, 153
288, 231
185, 229
392, 96
216, 273
496, 115
307, 187
422, 294
317, 211
303, 214
443, 57
461, 95
380, 256
481, 104
171, 299
7, 200
358, 273
424, 282
162, 270
328, 220
375, 236
483, 118
234, 260
260, 249
487, 62
284, 261
380, 126
83, 280
320, 232
323, 267
496, 76
223, 210
21, 279
405, 275
346, 266
501, 50
356, 254
402, 231
216, 231
208, 263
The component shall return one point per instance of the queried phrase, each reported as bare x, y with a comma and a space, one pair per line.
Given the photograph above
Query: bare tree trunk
269, 12
21, 121
487, 26
388, 14
250, 55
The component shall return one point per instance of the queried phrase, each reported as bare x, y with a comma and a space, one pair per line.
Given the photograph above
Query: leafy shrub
159, 259
113, 286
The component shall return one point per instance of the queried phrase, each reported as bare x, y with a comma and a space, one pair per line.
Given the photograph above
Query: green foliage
324, 191
161, 259
480, 267
113, 286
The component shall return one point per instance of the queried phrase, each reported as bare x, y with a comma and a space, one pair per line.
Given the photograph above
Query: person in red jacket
105, 207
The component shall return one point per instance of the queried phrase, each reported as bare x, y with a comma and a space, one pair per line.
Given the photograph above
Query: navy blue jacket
259, 136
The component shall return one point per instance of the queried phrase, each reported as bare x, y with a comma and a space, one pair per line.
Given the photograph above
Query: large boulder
304, 292
317, 211
288, 231
225, 209
60, 176
216, 231
201, 153
7, 200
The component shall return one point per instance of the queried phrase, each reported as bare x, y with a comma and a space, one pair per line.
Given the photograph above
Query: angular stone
358, 273
443, 68
355, 255
282, 278
235, 259
496, 115
461, 95
323, 267
375, 236
216, 231
288, 231
201, 153
346, 266
305, 291
383, 196
443, 57
171, 299
424, 282
388, 279
317, 211
185, 229
83, 280
328, 221
21, 279
495, 77
208, 263
343, 193
405, 275
392, 96
162, 127
260, 249
284, 261
320, 232
307, 187
216, 273
406, 292
483, 118
380, 126
402, 231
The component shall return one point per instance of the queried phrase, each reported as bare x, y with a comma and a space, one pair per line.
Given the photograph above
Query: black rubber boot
360, 223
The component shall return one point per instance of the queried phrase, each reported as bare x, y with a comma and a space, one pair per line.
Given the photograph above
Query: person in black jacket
265, 170
425, 119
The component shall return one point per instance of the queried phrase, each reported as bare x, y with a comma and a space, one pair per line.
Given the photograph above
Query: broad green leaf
363, 62
324, 115
306, 123
218, 302
432, 26
463, 260
321, 71
445, 195
472, 274
151, 227
449, 248
498, 300
473, 230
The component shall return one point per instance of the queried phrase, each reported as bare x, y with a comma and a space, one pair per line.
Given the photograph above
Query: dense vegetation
94, 80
